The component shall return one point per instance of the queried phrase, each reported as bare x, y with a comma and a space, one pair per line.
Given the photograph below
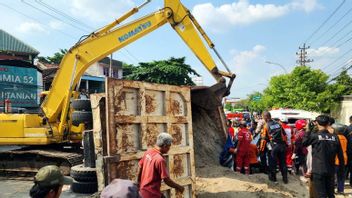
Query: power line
334, 78
53, 16
337, 59
338, 46
34, 19
344, 36
343, 43
332, 26
129, 53
77, 22
339, 31
124, 53
63, 14
342, 66
326, 20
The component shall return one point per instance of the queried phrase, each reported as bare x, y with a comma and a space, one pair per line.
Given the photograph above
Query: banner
21, 85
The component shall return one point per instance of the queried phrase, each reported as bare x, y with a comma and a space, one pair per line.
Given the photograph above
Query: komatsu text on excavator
55, 124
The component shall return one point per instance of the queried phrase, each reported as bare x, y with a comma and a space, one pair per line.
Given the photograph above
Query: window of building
106, 71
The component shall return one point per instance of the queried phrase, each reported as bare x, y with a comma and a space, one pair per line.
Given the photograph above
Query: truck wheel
84, 187
81, 105
81, 117
83, 174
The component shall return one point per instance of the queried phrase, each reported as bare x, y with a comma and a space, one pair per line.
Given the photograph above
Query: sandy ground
220, 182
211, 182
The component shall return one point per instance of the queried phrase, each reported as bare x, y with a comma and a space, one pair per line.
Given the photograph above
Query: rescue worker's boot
272, 176
246, 170
238, 169
284, 177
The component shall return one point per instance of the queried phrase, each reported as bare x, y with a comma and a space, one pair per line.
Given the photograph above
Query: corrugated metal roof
9, 43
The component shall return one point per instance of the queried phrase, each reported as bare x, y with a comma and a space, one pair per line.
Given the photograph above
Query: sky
247, 33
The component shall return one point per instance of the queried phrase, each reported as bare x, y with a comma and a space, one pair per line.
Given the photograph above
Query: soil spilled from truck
215, 181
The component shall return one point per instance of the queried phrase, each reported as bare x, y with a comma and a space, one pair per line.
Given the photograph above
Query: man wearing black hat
325, 147
48, 183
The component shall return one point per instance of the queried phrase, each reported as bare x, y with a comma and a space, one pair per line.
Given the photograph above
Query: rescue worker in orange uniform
340, 130
274, 137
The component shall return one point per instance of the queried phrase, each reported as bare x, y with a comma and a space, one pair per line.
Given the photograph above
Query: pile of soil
220, 182
213, 180
208, 136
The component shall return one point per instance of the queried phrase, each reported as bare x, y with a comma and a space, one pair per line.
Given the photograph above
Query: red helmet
300, 124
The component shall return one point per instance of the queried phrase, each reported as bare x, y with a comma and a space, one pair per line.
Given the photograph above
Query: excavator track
25, 162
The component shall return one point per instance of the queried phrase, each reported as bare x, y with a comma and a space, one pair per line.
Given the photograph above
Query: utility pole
110, 66
302, 55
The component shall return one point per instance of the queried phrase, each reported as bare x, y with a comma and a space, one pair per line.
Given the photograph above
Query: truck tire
81, 105
83, 174
84, 187
78, 117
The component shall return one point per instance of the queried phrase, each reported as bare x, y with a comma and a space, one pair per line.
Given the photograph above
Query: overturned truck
129, 116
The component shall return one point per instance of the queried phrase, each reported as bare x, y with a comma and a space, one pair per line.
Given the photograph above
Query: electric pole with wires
302, 56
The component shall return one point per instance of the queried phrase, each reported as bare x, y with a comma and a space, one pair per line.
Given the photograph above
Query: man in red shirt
244, 140
153, 169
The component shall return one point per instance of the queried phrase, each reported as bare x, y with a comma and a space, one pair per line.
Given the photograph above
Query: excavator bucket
209, 98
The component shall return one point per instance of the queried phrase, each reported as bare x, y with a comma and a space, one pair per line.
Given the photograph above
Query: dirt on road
220, 182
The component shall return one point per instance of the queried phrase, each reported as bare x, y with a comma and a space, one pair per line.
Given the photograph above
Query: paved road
20, 189
8, 148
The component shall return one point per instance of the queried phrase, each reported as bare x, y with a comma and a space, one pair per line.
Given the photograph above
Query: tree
304, 88
55, 59
345, 82
228, 106
256, 104
127, 69
173, 71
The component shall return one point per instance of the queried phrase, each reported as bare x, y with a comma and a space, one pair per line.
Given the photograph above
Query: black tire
78, 117
83, 174
81, 105
84, 187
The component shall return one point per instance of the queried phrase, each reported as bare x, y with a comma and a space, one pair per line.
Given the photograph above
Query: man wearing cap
48, 183
153, 169
325, 147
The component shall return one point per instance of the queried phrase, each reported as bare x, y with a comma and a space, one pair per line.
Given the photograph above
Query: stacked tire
82, 113
84, 179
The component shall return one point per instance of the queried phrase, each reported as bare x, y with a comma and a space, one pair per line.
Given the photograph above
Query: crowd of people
318, 151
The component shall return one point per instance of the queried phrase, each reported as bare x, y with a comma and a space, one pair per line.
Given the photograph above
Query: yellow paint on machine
12, 126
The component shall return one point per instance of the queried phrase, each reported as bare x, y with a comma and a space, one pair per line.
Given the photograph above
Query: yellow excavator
55, 124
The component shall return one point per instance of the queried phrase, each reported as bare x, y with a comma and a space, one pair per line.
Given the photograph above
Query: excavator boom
111, 38
55, 124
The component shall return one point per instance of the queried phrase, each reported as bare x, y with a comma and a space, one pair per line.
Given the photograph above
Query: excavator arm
110, 38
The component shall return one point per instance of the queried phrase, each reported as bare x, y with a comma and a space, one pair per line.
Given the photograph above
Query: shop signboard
21, 85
